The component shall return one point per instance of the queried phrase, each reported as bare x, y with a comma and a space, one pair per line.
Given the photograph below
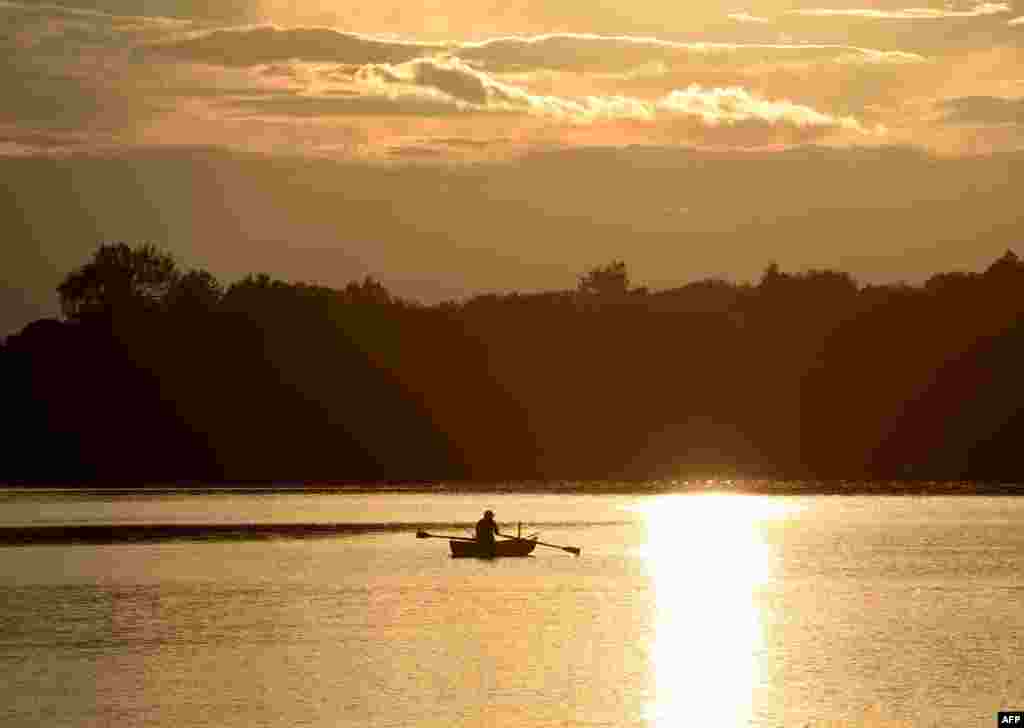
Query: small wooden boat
513, 547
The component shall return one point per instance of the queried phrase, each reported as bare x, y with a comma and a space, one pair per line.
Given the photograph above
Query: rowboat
515, 546
473, 549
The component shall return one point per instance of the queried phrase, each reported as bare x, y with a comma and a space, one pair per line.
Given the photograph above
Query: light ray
706, 558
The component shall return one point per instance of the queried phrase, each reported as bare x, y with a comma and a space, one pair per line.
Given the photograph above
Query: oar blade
422, 534
572, 550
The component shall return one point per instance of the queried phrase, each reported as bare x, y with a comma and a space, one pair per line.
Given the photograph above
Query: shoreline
722, 486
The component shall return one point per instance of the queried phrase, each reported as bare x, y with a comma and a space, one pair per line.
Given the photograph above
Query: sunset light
707, 560
511, 363
330, 142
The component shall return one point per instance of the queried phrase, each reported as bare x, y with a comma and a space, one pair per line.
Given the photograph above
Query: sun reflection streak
706, 558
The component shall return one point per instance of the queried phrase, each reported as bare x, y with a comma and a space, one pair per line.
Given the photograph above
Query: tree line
158, 374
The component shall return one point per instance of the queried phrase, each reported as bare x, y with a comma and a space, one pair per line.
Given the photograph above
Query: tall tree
119, 278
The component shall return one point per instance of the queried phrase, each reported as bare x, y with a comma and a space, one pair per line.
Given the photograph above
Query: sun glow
706, 559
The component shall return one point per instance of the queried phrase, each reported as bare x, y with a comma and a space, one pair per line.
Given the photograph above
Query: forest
157, 374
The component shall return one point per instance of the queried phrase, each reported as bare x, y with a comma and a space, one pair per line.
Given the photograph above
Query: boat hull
471, 549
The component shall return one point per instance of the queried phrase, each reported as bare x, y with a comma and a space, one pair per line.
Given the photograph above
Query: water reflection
706, 558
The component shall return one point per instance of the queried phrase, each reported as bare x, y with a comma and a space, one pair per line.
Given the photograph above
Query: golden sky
445, 81
469, 79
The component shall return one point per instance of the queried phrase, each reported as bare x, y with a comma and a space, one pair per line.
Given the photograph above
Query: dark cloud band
268, 44
982, 110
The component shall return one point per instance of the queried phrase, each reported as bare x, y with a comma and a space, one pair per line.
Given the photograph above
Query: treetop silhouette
799, 375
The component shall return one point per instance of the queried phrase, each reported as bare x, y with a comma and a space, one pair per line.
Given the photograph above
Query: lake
683, 610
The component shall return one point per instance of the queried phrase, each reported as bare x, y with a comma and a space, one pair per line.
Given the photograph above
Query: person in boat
486, 530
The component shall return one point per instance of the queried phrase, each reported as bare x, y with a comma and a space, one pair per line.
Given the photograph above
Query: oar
424, 534
571, 549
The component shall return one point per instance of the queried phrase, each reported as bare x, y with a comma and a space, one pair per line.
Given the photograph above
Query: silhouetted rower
486, 530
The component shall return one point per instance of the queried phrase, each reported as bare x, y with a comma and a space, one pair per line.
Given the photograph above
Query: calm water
684, 610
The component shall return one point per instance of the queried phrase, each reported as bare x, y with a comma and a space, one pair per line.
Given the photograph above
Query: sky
450, 148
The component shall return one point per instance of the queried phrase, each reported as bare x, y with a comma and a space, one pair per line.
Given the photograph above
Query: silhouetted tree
368, 291
193, 293
954, 283
118, 277
772, 276
1008, 265
800, 375
605, 281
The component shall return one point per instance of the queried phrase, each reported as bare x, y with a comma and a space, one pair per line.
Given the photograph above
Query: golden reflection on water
706, 559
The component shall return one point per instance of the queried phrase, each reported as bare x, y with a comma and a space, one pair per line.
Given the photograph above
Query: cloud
563, 51
87, 76
366, 104
473, 90
233, 11
747, 18
982, 110
73, 70
440, 87
933, 31
269, 44
44, 27
440, 146
456, 80
582, 52
727, 106
35, 139
432, 87
76, 76
735, 117
54, 10
479, 91
414, 151
979, 10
